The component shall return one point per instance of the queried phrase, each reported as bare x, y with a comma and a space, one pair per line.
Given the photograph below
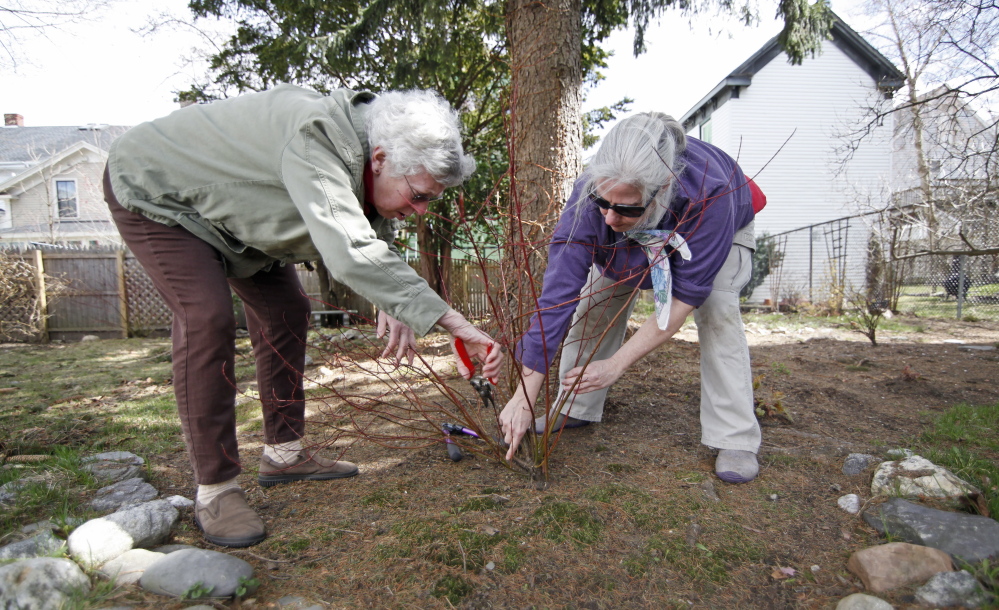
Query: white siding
818, 101
33, 212
721, 125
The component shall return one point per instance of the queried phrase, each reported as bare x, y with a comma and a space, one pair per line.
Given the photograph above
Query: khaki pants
598, 327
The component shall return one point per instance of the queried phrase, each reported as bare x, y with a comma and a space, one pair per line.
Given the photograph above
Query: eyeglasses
420, 197
628, 211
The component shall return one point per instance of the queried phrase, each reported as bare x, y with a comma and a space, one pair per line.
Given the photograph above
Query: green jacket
273, 177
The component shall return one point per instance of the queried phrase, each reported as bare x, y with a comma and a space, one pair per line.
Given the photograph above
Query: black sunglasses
628, 211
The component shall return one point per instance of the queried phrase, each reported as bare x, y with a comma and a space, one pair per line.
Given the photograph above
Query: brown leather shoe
229, 521
306, 468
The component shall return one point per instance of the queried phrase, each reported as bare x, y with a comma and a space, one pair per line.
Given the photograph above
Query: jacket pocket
226, 237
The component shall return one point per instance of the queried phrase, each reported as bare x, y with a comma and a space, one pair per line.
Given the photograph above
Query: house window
705, 133
6, 222
66, 203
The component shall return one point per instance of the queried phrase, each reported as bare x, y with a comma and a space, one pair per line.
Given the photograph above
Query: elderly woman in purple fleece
653, 210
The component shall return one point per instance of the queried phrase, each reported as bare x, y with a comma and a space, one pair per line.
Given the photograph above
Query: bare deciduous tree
946, 152
22, 19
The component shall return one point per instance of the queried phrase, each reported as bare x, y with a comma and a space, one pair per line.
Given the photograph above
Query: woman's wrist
451, 320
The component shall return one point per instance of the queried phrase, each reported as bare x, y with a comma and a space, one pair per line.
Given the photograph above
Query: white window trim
6, 216
55, 198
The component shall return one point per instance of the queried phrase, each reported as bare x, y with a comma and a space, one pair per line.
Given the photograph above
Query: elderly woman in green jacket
230, 195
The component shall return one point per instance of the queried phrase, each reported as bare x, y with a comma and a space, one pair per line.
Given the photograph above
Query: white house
788, 124
958, 143
789, 127
50, 185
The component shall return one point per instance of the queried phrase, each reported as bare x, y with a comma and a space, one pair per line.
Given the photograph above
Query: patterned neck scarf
654, 243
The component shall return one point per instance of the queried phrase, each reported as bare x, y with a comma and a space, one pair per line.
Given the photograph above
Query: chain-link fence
873, 260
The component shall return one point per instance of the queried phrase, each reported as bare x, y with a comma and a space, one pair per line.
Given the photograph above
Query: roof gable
881, 70
57, 163
29, 145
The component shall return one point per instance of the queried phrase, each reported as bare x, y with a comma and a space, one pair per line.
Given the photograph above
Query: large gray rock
857, 463
39, 545
100, 540
916, 477
123, 457
860, 601
42, 583
123, 493
180, 502
149, 523
179, 572
47, 525
166, 549
969, 538
948, 589
129, 567
10, 490
897, 564
293, 602
114, 466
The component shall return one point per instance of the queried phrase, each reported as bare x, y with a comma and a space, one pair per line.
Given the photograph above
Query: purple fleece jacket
710, 204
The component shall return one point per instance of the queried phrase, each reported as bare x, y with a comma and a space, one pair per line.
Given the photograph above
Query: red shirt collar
369, 189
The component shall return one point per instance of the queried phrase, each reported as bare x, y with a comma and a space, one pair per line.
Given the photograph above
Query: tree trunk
429, 262
544, 40
434, 235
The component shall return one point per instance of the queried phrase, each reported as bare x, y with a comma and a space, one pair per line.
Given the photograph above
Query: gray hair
643, 151
419, 131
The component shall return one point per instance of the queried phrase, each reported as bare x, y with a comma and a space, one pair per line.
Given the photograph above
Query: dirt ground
625, 520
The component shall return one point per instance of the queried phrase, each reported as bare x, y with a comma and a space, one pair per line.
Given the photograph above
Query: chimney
13, 120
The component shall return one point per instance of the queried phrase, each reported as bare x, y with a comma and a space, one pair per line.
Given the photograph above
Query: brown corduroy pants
189, 275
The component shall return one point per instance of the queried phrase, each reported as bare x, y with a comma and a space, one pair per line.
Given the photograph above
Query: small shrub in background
20, 307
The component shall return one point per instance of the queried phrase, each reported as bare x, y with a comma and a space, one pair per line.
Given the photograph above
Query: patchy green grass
703, 562
76, 399
974, 427
964, 440
924, 301
647, 512
445, 541
52, 490
477, 504
561, 521
454, 588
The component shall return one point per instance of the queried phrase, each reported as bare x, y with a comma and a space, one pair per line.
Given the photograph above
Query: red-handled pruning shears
483, 386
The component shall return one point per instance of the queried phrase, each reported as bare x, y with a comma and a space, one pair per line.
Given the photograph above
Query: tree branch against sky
948, 51
21, 20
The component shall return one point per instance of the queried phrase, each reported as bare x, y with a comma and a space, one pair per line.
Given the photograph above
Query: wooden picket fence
107, 293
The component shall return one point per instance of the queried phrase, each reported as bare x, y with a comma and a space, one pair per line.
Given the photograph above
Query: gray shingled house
50, 185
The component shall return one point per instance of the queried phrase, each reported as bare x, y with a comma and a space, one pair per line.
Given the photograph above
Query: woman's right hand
515, 420
478, 344
517, 416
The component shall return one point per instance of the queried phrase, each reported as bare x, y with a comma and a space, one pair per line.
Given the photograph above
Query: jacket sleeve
571, 254
320, 183
386, 231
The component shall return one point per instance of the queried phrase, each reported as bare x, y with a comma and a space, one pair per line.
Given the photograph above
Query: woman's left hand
401, 338
599, 374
